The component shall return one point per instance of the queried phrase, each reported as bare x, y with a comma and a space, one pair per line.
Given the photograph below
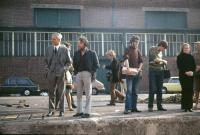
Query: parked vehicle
19, 85
172, 85
97, 87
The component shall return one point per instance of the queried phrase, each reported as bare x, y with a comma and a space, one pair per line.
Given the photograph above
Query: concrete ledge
124, 125
105, 120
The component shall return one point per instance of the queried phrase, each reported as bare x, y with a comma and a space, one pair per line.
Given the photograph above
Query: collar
84, 50
57, 47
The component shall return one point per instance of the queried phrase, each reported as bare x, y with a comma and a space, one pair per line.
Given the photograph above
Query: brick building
26, 27
100, 13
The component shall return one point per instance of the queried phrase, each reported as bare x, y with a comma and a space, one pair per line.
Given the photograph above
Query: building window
64, 18
165, 20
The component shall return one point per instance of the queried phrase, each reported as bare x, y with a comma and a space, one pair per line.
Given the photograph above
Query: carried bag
126, 70
68, 78
166, 72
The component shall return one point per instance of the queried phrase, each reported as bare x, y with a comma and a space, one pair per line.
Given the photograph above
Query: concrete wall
164, 125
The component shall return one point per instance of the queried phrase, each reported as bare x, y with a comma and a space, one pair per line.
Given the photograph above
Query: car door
174, 85
177, 85
9, 87
22, 84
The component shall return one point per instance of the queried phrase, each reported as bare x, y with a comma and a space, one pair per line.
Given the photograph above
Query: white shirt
57, 47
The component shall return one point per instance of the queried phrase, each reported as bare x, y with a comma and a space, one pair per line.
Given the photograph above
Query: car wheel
164, 90
94, 91
27, 92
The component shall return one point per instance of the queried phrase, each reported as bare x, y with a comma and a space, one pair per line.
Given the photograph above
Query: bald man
56, 62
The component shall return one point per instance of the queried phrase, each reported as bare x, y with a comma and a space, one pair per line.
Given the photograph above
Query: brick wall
23, 66
98, 13
33, 67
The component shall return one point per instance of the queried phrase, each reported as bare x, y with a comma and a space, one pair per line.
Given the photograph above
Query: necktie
55, 50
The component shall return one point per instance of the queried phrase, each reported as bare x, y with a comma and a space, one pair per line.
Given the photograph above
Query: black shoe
185, 110
85, 116
162, 109
77, 114
74, 106
50, 114
190, 110
61, 114
150, 109
111, 104
136, 110
126, 112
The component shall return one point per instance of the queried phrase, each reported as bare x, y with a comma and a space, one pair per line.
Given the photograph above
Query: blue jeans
132, 83
155, 87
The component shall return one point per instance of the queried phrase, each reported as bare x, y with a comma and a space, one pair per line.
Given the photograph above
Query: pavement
39, 104
22, 108
31, 111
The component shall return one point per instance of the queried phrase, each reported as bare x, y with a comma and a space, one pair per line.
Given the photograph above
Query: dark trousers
187, 92
56, 92
155, 87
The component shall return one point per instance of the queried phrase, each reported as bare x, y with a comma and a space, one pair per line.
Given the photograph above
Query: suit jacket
63, 60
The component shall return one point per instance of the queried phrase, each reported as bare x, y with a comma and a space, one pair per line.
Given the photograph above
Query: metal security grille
174, 40
113, 41
192, 38
26, 44
23, 44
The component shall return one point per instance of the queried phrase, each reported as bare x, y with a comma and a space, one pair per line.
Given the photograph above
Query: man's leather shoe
190, 110
85, 116
126, 112
150, 109
135, 110
185, 110
61, 114
111, 104
74, 106
162, 109
77, 114
50, 114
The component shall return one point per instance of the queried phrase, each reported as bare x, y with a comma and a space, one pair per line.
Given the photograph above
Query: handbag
68, 78
166, 72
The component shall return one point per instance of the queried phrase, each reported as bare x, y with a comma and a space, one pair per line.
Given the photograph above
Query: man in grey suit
56, 63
